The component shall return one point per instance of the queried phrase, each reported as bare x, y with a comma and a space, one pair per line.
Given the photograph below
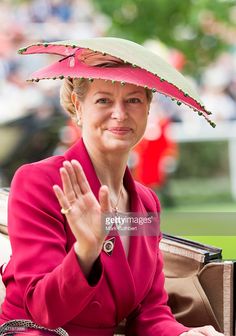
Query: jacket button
95, 305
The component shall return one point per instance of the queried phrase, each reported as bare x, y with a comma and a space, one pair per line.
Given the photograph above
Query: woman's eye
134, 100
102, 101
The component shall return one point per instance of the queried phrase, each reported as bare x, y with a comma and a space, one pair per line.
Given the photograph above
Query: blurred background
191, 166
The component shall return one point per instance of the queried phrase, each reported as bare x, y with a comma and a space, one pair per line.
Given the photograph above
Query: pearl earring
78, 121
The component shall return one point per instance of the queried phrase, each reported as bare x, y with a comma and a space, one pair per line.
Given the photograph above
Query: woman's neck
110, 168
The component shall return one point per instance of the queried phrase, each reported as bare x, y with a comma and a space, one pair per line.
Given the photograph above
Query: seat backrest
4, 192
2, 293
5, 253
5, 247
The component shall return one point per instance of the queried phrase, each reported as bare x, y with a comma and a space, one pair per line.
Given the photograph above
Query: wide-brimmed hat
141, 67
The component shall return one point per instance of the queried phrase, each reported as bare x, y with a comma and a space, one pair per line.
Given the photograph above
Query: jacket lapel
143, 247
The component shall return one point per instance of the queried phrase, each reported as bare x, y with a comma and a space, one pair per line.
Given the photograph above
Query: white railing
198, 132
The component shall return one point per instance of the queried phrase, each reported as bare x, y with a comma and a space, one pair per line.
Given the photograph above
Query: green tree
180, 24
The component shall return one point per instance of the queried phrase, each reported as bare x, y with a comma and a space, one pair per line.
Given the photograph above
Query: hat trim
123, 83
76, 45
201, 110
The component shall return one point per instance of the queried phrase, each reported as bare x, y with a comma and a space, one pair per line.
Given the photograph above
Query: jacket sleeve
46, 271
153, 316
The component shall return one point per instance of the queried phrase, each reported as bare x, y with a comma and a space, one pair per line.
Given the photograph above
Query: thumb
104, 199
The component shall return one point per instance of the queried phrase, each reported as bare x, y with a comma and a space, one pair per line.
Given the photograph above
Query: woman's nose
119, 112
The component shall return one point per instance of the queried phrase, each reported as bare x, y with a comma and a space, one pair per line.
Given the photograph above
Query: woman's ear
76, 104
74, 100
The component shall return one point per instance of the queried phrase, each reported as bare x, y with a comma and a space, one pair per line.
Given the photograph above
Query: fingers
192, 332
206, 331
202, 331
67, 186
74, 180
75, 184
63, 201
69, 181
70, 190
104, 199
80, 177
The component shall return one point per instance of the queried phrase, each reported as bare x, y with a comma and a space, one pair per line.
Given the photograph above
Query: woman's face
113, 116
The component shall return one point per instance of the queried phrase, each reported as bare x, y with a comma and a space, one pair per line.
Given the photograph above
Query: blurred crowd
32, 123
219, 87
30, 114
25, 22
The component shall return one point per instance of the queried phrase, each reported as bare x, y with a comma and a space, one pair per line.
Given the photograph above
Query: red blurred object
155, 154
177, 59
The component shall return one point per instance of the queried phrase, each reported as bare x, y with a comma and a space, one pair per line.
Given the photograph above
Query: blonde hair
80, 86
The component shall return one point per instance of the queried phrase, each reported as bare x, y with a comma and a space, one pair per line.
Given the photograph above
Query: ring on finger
66, 211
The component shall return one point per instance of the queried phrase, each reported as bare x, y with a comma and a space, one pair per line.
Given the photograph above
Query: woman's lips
120, 130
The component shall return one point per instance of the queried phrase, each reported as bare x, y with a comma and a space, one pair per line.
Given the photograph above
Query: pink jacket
43, 278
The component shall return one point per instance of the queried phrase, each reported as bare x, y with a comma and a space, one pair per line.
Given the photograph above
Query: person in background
155, 156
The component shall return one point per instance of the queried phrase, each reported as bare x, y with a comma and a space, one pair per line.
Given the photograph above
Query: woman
66, 269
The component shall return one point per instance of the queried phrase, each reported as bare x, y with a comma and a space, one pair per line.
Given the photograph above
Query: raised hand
83, 212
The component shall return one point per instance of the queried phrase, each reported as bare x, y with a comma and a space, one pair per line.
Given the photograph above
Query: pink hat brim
142, 68
72, 67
